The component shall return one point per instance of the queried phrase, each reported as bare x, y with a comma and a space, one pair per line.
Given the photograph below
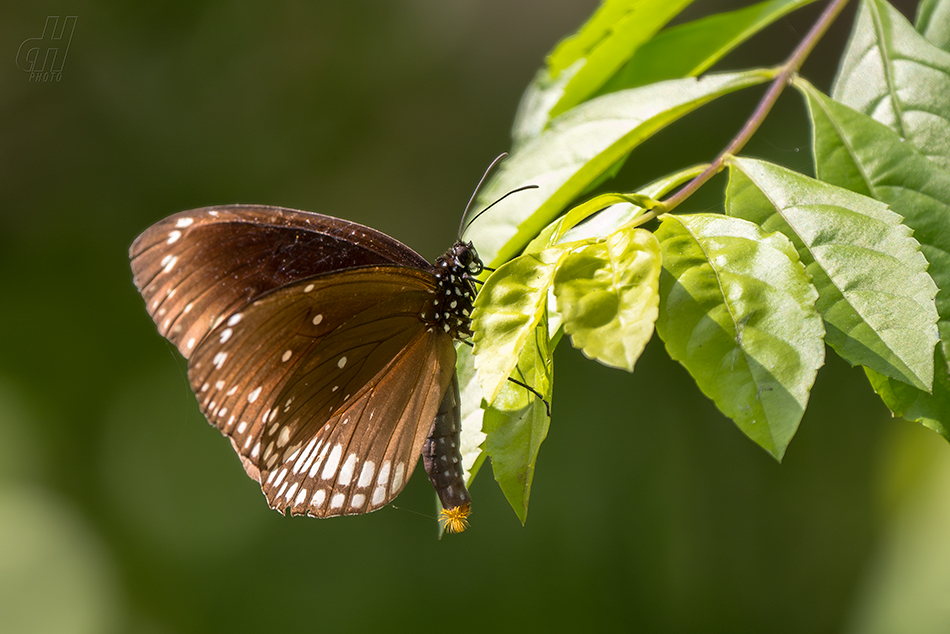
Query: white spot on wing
291, 490
313, 456
286, 357
317, 320
341, 362
346, 471
397, 476
358, 501
184, 222
234, 319
330, 467
253, 395
366, 475
318, 499
308, 288
337, 501
173, 237
283, 437
316, 465
291, 453
384, 473
304, 458
226, 334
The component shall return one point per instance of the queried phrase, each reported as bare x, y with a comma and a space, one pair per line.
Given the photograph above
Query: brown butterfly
322, 348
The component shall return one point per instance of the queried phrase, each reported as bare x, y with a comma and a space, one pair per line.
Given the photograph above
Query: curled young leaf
607, 295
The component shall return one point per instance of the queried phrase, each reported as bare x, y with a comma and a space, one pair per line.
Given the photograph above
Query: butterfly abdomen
442, 459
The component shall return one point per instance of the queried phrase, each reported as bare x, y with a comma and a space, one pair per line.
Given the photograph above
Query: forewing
328, 387
197, 268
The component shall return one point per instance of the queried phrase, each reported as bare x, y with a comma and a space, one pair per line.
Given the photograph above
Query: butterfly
323, 349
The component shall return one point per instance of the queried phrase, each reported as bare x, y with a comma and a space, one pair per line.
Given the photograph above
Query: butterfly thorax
452, 305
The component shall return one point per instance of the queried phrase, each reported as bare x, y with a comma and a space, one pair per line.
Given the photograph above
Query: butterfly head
465, 257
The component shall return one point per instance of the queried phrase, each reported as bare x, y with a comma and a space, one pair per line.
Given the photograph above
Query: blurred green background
122, 511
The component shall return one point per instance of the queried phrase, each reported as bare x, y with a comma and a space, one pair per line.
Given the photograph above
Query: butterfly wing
199, 267
327, 387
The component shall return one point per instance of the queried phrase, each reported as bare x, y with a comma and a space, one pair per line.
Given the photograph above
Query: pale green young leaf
738, 311
581, 63
875, 296
602, 215
472, 412
896, 76
856, 152
517, 422
608, 294
687, 50
555, 232
933, 22
577, 148
507, 311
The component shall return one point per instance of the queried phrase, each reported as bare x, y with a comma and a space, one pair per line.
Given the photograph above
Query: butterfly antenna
478, 187
513, 191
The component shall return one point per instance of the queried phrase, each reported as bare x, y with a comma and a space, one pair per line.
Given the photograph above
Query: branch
786, 73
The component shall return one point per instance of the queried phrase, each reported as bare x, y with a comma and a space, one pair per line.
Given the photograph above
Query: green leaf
689, 49
581, 63
875, 296
517, 422
856, 152
930, 410
896, 76
607, 295
737, 310
507, 311
579, 146
933, 22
